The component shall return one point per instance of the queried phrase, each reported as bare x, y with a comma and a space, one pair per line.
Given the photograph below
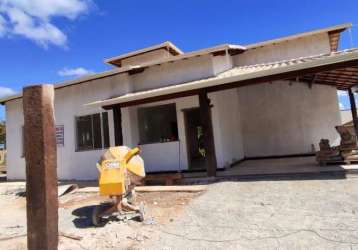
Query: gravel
285, 214
294, 214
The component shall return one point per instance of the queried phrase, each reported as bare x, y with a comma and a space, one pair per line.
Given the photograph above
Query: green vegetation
2, 133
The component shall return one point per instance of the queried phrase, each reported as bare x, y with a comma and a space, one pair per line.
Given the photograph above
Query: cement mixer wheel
97, 220
141, 213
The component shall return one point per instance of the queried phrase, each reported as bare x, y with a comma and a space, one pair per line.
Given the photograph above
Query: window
157, 124
92, 132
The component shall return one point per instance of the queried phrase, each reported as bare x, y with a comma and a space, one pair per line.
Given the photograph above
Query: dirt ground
281, 214
74, 219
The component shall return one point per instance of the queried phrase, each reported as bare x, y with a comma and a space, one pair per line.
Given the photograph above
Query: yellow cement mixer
120, 169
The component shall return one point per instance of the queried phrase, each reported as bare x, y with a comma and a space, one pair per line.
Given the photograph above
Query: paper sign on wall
60, 135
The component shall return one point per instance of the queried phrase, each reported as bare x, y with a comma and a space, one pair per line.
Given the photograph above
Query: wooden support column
206, 122
117, 118
41, 167
354, 110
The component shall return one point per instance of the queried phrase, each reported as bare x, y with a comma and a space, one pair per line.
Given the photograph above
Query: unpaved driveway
305, 214
291, 214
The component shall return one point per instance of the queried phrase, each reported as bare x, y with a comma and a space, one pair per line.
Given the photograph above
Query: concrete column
41, 169
117, 119
206, 123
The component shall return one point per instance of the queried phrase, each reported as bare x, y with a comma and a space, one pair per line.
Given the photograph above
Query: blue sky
43, 41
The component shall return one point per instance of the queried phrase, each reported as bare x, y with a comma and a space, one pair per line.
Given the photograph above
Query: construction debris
190, 189
167, 178
145, 189
69, 236
346, 152
66, 189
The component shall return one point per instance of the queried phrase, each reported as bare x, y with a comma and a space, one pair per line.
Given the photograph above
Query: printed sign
60, 135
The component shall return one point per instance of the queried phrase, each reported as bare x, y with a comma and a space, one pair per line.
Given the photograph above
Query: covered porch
338, 70
285, 167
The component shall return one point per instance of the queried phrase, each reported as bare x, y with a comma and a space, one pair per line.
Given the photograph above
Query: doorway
194, 139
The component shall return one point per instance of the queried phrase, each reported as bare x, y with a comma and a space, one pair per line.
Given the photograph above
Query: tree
3, 133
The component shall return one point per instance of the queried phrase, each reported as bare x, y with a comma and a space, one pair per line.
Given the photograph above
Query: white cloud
6, 92
33, 18
2, 26
342, 93
75, 72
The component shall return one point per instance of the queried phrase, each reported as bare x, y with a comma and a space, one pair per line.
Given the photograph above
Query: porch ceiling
341, 78
339, 69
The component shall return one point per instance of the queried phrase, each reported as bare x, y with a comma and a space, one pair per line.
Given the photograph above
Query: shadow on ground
83, 215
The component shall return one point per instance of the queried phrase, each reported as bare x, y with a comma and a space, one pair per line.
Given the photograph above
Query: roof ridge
300, 58
338, 28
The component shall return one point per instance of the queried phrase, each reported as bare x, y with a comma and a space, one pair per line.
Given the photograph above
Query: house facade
152, 99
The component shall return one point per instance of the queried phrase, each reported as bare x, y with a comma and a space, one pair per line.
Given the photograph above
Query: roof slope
337, 28
232, 49
240, 74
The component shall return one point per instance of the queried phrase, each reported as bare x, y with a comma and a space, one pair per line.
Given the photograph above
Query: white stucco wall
173, 73
69, 103
146, 57
283, 119
227, 127
302, 47
14, 139
222, 63
260, 120
346, 116
173, 154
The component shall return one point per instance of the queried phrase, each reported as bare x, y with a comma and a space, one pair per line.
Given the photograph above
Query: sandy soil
281, 214
293, 214
74, 219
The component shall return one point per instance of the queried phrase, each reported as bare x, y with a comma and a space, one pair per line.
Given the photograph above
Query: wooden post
206, 122
354, 110
41, 170
117, 119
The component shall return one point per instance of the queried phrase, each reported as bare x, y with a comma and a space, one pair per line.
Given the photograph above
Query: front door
194, 138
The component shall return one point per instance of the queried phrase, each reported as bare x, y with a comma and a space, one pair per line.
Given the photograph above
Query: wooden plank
334, 39
353, 109
167, 178
206, 123
136, 70
219, 53
330, 83
341, 72
338, 78
165, 175
41, 172
117, 119
154, 99
347, 69
192, 189
144, 189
